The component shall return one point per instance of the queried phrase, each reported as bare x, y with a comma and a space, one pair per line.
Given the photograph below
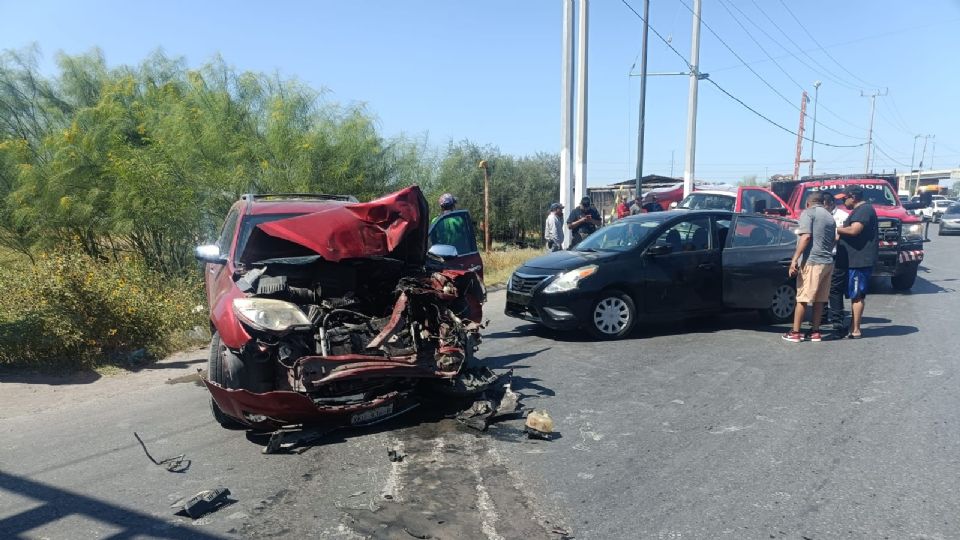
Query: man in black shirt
653, 205
858, 242
583, 221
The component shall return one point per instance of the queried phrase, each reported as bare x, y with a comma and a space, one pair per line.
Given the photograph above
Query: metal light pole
486, 206
580, 147
690, 166
813, 137
643, 96
566, 109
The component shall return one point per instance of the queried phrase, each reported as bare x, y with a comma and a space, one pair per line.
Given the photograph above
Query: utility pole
689, 168
486, 206
566, 108
913, 158
580, 152
873, 107
803, 117
638, 184
932, 150
813, 137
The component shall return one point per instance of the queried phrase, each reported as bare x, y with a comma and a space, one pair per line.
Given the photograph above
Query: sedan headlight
568, 281
912, 232
269, 315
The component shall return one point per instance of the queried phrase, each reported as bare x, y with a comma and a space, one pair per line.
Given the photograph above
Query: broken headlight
270, 315
568, 281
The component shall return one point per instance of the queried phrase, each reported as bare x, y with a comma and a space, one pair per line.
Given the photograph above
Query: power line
788, 130
878, 149
781, 68
817, 43
742, 61
731, 96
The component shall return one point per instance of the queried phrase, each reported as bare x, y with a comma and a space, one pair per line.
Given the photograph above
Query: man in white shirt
838, 281
553, 228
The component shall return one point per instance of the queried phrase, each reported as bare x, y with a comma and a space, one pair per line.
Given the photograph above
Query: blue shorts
857, 281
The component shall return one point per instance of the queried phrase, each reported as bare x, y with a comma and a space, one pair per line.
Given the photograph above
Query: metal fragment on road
203, 503
177, 464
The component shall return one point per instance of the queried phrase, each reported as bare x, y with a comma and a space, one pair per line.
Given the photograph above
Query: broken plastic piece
204, 503
539, 424
395, 456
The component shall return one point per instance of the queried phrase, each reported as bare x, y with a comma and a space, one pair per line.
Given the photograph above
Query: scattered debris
177, 464
203, 503
422, 536
357, 494
289, 439
539, 424
496, 402
395, 456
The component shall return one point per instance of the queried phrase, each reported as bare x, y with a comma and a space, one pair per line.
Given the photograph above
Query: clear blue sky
489, 71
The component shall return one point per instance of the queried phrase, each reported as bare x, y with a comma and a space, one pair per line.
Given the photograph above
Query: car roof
670, 214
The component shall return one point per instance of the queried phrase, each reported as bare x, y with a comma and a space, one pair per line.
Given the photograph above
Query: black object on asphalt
176, 464
395, 456
204, 503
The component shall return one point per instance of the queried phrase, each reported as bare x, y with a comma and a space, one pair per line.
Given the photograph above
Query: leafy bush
70, 310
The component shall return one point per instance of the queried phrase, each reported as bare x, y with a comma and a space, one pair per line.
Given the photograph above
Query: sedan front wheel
612, 316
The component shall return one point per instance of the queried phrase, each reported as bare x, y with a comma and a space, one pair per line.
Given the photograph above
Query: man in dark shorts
858, 238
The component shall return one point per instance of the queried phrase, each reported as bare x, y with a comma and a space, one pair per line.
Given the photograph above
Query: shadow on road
57, 503
891, 330
15, 375
921, 286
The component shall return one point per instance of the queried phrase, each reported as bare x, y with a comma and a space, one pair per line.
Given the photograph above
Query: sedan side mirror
443, 251
673, 205
209, 253
662, 249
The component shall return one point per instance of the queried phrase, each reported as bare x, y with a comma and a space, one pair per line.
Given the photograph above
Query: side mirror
209, 253
443, 251
662, 249
673, 205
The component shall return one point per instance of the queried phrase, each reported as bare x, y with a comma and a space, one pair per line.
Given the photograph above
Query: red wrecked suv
328, 311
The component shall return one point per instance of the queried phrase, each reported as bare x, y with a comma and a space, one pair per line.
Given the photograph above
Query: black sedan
660, 265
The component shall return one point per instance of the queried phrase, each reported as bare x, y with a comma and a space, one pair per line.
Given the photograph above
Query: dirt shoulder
29, 392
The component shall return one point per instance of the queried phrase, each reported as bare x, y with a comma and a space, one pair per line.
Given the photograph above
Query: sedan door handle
706, 266
785, 262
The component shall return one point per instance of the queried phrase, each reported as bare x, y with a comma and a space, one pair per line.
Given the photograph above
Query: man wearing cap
553, 228
813, 265
583, 221
653, 205
858, 242
453, 230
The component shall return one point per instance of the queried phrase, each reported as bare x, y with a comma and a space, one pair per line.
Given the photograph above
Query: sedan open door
756, 260
452, 239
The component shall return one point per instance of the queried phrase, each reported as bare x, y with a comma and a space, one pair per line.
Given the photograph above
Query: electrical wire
822, 49
738, 57
788, 130
781, 68
878, 149
728, 94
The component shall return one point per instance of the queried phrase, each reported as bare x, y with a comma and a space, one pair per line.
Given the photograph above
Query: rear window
878, 194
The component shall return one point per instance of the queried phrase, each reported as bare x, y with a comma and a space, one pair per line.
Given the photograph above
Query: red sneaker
815, 337
793, 337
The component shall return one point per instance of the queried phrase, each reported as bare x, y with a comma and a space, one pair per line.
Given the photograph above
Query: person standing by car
653, 205
858, 237
553, 228
838, 280
451, 231
636, 206
583, 221
622, 209
812, 263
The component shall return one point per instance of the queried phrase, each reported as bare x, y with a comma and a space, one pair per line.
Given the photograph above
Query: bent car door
756, 260
686, 277
455, 229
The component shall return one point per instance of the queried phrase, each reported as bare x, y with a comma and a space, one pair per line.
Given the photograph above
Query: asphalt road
710, 429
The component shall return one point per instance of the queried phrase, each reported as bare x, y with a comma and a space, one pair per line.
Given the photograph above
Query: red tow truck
901, 233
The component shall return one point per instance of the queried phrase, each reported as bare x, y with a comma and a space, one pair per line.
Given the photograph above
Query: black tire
940, 231
612, 316
225, 369
782, 305
904, 281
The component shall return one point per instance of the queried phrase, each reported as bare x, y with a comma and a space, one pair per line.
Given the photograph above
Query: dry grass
498, 265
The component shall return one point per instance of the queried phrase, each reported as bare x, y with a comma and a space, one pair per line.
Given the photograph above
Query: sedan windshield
708, 201
620, 236
953, 209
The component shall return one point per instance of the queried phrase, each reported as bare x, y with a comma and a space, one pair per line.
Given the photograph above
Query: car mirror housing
659, 250
209, 253
443, 251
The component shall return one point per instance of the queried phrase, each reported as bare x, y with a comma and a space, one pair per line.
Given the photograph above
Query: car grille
525, 283
889, 232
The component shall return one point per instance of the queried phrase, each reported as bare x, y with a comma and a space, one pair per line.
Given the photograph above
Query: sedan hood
560, 261
394, 226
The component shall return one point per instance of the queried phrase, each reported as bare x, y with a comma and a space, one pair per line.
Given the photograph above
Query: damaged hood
394, 226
